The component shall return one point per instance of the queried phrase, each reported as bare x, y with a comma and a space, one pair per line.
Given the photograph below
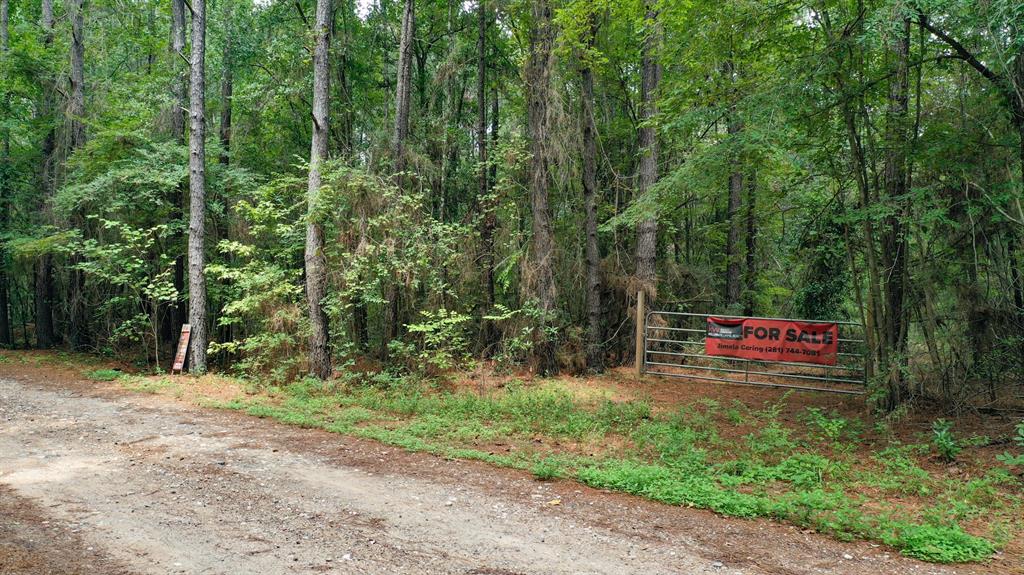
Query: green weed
944, 441
104, 374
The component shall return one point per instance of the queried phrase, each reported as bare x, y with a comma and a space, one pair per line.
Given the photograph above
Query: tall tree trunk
404, 86
538, 79
46, 21
732, 248
197, 191
895, 177
79, 328
316, 262
403, 93
751, 267
226, 88
647, 229
733, 264
179, 96
76, 106
595, 355
5, 192
45, 334
488, 222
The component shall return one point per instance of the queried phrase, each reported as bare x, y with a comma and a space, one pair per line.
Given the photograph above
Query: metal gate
672, 344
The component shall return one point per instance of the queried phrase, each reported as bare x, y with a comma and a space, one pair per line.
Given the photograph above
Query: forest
426, 185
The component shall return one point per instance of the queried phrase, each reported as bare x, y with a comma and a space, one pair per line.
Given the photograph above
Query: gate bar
758, 383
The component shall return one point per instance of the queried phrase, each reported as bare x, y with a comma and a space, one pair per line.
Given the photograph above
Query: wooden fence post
641, 318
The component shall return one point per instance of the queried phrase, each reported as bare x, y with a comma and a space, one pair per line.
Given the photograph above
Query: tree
316, 263
895, 179
403, 88
403, 94
647, 173
79, 324
197, 191
595, 353
44, 291
542, 249
179, 100
5, 174
735, 197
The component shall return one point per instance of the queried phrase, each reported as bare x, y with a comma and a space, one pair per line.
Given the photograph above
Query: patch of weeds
344, 420
773, 438
147, 385
104, 374
829, 427
943, 440
1007, 457
546, 469
901, 474
939, 543
627, 414
975, 498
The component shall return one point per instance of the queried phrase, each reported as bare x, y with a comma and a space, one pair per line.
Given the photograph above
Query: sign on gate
772, 340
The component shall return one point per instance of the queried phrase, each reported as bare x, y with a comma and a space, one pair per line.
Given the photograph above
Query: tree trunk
751, 268
647, 229
538, 79
733, 285
732, 248
404, 86
76, 106
487, 205
895, 177
226, 88
179, 82
403, 93
316, 262
5, 193
45, 337
197, 191
46, 21
595, 355
179, 96
79, 328
45, 334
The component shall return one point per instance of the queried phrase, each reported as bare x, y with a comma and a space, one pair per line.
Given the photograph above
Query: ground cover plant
848, 476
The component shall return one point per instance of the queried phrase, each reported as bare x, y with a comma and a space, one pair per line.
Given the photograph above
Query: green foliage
104, 374
943, 440
1010, 459
442, 341
941, 544
546, 469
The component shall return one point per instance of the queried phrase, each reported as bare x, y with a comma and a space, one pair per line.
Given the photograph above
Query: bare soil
100, 480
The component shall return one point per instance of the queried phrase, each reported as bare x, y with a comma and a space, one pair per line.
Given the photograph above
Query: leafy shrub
944, 441
441, 340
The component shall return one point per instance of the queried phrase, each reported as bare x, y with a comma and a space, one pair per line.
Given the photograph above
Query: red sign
179, 357
772, 340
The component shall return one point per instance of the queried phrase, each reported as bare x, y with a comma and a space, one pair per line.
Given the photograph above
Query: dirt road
95, 480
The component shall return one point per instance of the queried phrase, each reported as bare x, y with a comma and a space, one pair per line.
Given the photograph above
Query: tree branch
964, 53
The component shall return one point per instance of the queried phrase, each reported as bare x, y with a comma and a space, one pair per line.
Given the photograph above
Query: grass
820, 471
104, 374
